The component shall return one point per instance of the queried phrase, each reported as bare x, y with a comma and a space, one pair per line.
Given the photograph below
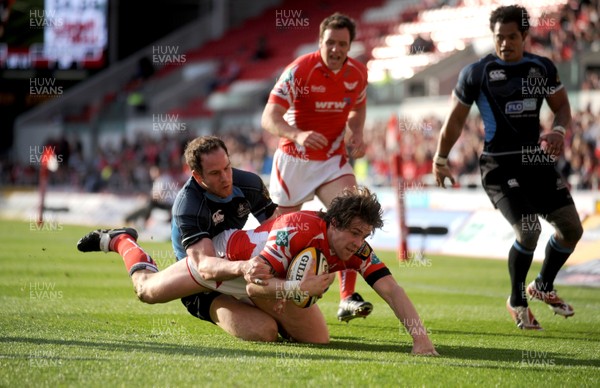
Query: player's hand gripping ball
309, 260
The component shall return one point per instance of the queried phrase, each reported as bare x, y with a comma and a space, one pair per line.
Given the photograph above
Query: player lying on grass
339, 233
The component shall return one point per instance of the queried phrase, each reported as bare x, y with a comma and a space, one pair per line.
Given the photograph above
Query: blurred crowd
119, 167
579, 165
566, 34
124, 167
574, 29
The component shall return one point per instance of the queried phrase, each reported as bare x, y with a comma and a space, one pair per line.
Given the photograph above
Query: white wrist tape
440, 161
559, 129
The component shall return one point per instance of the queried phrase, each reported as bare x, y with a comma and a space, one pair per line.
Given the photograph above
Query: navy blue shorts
529, 188
199, 304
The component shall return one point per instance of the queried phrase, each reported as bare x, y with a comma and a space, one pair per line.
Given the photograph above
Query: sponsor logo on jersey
265, 192
512, 183
329, 106
364, 251
534, 72
282, 238
243, 209
497, 75
218, 217
560, 184
286, 81
318, 89
350, 85
516, 107
375, 259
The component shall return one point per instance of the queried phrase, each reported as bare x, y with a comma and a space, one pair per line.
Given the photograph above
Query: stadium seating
385, 32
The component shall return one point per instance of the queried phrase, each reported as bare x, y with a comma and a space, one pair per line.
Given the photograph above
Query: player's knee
145, 295
265, 334
572, 234
265, 331
315, 338
528, 233
319, 340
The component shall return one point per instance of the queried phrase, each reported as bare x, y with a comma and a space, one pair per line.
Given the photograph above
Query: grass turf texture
72, 319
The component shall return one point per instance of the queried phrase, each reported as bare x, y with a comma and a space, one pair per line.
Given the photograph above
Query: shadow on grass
542, 334
463, 356
523, 358
171, 348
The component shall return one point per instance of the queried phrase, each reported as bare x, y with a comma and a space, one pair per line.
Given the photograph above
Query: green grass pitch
72, 319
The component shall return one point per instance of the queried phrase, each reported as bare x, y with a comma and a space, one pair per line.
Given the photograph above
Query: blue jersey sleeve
255, 191
191, 218
467, 89
552, 73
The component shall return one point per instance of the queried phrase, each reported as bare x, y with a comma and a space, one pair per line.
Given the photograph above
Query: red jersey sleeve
290, 234
366, 262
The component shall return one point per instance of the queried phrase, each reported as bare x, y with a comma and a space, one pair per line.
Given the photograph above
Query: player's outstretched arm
397, 299
211, 267
451, 130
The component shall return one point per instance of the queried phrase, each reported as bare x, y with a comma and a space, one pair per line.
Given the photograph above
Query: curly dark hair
354, 202
338, 21
508, 14
200, 146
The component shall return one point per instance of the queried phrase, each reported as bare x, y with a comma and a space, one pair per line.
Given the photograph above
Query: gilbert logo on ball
309, 260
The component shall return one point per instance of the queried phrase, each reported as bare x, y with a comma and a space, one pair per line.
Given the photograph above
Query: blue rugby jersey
509, 97
198, 214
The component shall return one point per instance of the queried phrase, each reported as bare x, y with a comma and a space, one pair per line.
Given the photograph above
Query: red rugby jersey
287, 235
318, 99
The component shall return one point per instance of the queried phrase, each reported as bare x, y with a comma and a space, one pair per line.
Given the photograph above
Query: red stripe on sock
130, 251
347, 280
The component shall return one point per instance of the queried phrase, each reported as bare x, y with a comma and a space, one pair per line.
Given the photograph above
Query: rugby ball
308, 260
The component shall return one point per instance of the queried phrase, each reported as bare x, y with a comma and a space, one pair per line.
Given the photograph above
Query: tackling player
518, 163
319, 100
217, 197
339, 233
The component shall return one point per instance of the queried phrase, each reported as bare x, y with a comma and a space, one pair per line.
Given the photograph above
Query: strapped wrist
559, 129
440, 160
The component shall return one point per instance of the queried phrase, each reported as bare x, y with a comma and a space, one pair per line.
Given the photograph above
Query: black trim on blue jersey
196, 237
261, 215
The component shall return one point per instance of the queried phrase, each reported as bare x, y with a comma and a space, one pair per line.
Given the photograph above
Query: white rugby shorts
295, 180
237, 286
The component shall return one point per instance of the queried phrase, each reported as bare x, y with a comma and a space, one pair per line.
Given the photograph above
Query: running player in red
317, 107
339, 233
